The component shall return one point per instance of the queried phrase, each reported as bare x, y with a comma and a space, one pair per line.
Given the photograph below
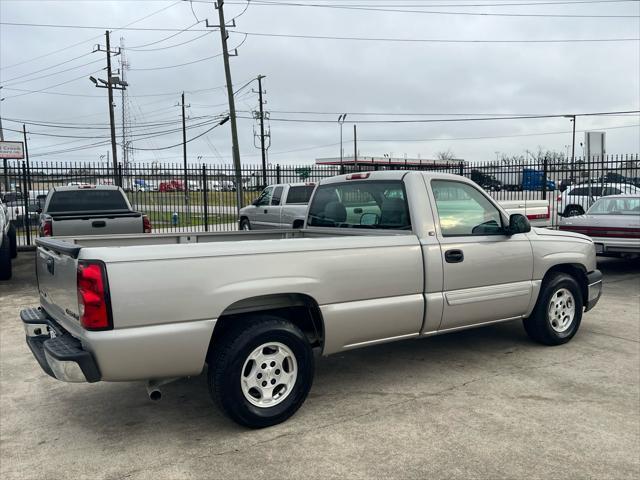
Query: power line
53, 86
87, 40
434, 40
54, 73
439, 12
170, 46
96, 27
447, 120
67, 94
47, 68
181, 143
457, 5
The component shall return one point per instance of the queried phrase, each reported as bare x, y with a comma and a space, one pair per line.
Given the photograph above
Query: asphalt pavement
485, 403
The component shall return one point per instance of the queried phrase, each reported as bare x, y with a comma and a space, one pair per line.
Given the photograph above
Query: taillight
93, 296
47, 228
146, 224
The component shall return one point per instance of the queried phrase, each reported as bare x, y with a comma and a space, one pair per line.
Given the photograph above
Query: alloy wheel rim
562, 310
269, 374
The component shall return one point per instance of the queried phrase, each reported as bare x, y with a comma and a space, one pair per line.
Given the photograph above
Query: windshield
368, 204
616, 206
87, 200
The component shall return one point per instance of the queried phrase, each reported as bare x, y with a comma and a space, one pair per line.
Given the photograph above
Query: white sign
13, 150
594, 145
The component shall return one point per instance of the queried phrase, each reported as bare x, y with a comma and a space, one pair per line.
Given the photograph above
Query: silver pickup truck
383, 256
278, 206
90, 210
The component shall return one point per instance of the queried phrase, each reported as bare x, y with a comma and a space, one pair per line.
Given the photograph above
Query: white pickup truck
383, 256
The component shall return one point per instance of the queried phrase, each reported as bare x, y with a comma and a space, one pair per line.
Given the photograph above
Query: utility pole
262, 147
26, 155
112, 83
112, 119
184, 156
232, 106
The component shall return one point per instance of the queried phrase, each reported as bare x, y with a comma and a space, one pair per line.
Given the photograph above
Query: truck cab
278, 206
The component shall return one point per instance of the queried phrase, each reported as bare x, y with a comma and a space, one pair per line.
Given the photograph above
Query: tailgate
56, 264
104, 224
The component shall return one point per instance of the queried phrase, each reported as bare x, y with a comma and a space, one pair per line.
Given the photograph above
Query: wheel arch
575, 270
298, 308
569, 206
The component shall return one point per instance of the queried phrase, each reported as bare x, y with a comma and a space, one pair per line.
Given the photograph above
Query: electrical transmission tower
127, 153
260, 115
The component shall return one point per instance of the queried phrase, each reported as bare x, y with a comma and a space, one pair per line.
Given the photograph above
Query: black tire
245, 224
540, 325
228, 358
573, 211
5, 258
13, 242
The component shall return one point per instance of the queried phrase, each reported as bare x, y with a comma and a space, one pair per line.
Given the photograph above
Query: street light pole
341, 120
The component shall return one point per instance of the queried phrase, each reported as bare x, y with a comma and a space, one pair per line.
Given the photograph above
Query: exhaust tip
155, 395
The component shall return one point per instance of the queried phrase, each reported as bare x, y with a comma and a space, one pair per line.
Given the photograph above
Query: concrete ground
485, 403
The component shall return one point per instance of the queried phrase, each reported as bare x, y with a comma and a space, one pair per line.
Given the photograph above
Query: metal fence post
461, 169
205, 198
119, 179
25, 197
544, 177
278, 173
5, 169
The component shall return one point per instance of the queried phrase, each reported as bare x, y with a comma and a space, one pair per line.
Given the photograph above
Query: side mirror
518, 223
255, 202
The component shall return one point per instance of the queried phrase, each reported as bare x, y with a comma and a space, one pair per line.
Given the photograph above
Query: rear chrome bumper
59, 354
594, 289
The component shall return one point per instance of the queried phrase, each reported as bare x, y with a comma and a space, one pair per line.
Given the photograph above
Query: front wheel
261, 371
573, 211
558, 312
245, 225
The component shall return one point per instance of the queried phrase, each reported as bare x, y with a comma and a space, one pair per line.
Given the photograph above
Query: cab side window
463, 210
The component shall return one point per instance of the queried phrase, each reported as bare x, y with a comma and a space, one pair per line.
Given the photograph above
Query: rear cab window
361, 204
299, 195
87, 200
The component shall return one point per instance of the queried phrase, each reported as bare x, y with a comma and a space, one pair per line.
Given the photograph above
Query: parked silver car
278, 206
613, 223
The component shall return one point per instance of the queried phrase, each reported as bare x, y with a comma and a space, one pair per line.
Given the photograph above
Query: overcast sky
325, 75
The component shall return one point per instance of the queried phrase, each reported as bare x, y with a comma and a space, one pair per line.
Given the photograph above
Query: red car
171, 186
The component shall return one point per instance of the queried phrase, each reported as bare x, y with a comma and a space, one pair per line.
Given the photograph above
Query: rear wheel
261, 371
5, 258
558, 312
573, 211
13, 242
245, 225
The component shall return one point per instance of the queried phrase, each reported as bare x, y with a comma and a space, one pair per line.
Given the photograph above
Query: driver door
260, 212
487, 274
